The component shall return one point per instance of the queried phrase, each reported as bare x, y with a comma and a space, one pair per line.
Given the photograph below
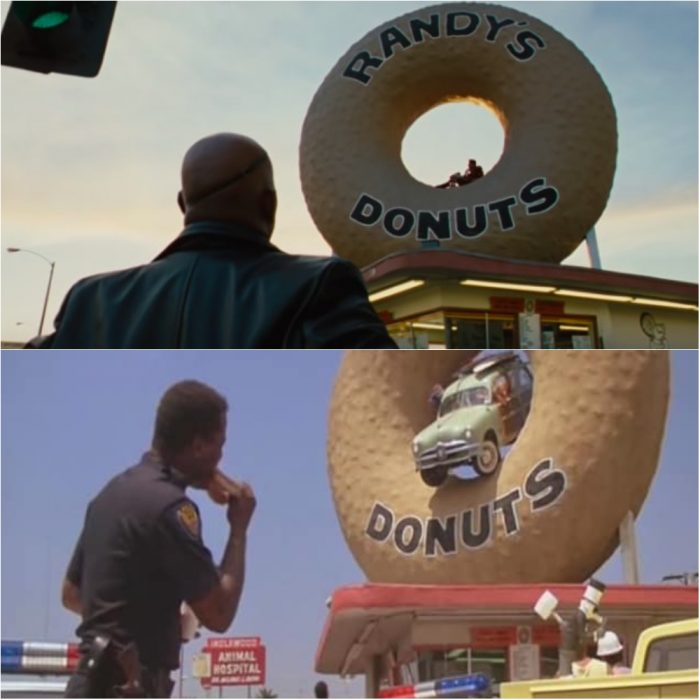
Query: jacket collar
215, 235
151, 461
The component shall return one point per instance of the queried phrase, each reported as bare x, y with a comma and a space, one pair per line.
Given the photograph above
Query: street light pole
48, 286
46, 298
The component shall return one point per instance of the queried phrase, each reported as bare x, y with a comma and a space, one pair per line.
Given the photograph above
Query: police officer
141, 554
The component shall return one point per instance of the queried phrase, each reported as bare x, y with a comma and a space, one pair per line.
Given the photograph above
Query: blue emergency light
11, 648
474, 683
11, 656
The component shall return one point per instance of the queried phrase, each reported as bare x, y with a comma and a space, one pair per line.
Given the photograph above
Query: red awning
372, 619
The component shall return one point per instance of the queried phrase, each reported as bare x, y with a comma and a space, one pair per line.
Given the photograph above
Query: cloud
658, 239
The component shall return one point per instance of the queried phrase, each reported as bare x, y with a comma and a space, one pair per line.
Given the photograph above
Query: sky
90, 167
72, 420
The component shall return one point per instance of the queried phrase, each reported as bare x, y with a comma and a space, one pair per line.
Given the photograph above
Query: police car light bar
39, 657
458, 686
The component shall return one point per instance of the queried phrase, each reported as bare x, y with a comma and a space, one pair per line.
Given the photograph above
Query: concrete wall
680, 328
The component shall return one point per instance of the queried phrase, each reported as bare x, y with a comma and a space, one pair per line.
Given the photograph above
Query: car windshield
476, 396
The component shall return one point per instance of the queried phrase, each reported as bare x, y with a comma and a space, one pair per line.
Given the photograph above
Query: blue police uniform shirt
140, 554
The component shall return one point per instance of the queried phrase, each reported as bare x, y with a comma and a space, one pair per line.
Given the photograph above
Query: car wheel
489, 459
435, 476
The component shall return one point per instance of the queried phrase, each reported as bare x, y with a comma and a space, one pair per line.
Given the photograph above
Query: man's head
228, 177
321, 690
190, 430
472, 164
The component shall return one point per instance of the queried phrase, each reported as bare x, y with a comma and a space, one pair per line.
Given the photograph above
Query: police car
33, 689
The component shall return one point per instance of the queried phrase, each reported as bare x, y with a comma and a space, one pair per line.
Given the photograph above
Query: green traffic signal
43, 15
49, 20
57, 37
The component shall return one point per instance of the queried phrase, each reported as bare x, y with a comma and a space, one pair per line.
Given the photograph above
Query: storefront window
424, 332
491, 662
567, 334
480, 330
549, 662
459, 662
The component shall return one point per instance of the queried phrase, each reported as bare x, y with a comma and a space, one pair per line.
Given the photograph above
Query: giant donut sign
585, 457
551, 183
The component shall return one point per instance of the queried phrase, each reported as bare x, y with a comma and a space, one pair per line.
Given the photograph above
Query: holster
96, 654
140, 682
112, 670
97, 673
127, 657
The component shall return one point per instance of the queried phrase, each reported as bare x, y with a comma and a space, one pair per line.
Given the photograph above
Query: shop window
491, 662
459, 662
423, 333
549, 662
567, 334
478, 331
481, 332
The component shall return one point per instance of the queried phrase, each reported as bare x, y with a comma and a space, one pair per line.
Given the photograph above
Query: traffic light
57, 37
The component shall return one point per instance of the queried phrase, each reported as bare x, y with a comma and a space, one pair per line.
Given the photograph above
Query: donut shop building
398, 635
450, 299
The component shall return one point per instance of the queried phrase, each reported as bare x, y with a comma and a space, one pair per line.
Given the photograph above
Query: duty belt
107, 663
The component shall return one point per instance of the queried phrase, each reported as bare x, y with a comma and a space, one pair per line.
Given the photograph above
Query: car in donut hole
480, 412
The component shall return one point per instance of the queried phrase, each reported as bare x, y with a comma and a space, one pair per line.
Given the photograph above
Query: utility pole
687, 578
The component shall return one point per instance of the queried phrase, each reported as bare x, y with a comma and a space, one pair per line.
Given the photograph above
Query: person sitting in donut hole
473, 172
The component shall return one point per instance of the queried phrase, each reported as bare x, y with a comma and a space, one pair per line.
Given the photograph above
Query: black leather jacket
221, 286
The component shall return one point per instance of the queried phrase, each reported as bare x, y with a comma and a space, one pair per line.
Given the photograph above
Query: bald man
221, 283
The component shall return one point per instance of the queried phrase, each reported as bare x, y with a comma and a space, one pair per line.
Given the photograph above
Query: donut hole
465, 473
486, 402
441, 141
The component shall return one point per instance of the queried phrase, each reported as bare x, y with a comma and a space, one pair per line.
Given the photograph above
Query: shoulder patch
188, 518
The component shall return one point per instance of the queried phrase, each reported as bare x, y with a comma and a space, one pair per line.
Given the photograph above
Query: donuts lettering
471, 528
469, 222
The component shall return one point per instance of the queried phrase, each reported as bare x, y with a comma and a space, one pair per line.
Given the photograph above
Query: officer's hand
240, 509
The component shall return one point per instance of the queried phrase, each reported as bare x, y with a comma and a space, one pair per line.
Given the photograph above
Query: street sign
524, 661
235, 661
232, 643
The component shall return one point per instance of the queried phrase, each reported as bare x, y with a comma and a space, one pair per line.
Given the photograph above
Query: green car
480, 412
